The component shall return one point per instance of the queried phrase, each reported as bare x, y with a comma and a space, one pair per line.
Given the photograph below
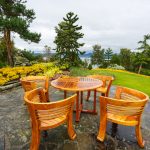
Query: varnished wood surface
105, 88
31, 82
76, 83
48, 115
40, 81
125, 109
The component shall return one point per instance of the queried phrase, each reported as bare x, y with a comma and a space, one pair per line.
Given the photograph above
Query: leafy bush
8, 74
145, 71
2, 64
90, 66
115, 66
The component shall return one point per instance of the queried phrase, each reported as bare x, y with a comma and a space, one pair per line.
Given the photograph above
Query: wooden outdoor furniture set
126, 108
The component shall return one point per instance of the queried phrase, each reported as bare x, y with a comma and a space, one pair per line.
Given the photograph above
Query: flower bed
9, 74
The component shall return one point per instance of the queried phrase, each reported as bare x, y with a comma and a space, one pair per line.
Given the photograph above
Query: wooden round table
78, 85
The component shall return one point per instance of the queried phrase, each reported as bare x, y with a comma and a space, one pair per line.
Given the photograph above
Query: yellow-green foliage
9, 74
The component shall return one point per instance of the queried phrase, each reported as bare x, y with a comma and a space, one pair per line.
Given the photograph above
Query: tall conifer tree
67, 45
14, 17
108, 54
97, 57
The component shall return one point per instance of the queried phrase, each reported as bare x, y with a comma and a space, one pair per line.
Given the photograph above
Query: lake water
88, 59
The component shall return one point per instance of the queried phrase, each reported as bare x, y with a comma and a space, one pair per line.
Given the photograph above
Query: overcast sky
110, 23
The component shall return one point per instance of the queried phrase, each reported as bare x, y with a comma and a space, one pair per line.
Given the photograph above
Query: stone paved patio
15, 129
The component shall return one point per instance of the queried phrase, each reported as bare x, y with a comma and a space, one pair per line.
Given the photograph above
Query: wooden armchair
48, 115
125, 109
105, 88
32, 82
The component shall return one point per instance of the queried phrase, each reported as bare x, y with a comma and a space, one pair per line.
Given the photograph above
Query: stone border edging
9, 86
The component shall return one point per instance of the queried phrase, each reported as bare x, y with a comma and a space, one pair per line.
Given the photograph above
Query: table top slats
76, 83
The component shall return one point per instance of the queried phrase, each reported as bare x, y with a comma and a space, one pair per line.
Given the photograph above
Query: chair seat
102, 89
47, 124
124, 120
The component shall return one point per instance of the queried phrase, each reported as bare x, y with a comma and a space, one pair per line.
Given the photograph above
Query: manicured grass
122, 78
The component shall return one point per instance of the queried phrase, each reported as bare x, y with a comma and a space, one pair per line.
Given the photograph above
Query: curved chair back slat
105, 88
127, 93
126, 109
28, 85
47, 115
107, 80
32, 82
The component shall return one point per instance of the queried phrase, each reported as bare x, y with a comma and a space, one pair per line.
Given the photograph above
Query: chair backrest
107, 80
32, 82
41, 111
28, 85
127, 102
39, 81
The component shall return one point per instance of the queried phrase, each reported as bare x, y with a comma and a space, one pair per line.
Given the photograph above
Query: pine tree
16, 18
97, 57
67, 45
108, 54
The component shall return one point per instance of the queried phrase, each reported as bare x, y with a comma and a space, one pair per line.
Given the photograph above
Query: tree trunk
140, 67
7, 38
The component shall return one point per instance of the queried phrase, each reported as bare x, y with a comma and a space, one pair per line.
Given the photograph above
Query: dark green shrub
145, 71
90, 66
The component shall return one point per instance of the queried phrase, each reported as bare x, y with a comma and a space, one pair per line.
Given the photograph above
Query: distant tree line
136, 61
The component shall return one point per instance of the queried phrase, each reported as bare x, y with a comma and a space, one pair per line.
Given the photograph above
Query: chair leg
35, 141
103, 94
88, 95
65, 94
114, 129
102, 131
45, 133
71, 131
47, 97
139, 136
103, 120
94, 103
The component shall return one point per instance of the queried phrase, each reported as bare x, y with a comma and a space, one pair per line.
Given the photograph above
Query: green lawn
123, 78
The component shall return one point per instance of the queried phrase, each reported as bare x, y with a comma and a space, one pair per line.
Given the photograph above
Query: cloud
113, 24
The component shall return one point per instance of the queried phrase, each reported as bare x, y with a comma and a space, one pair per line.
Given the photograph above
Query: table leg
77, 108
94, 103
65, 94
93, 111
81, 97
